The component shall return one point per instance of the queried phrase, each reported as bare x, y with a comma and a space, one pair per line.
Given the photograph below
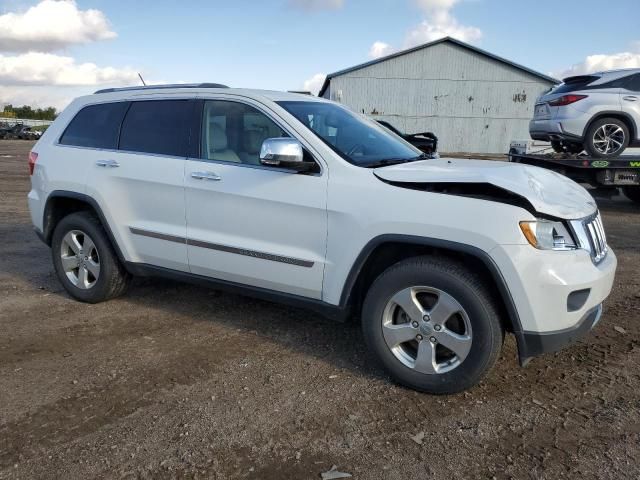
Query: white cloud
48, 69
51, 25
599, 62
314, 84
380, 49
438, 23
435, 4
315, 5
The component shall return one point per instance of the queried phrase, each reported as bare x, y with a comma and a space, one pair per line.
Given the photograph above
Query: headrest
252, 140
217, 138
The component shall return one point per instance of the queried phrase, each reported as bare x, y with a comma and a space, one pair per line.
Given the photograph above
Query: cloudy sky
54, 50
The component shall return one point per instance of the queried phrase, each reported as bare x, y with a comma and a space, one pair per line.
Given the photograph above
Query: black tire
112, 280
557, 146
632, 193
592, 149
566, 147
574, 147
468, 290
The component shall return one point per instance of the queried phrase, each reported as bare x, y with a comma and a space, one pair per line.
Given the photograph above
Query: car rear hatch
545, 111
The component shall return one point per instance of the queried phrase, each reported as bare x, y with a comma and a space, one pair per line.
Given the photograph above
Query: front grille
597, 238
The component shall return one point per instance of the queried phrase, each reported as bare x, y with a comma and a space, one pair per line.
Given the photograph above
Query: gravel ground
178, 381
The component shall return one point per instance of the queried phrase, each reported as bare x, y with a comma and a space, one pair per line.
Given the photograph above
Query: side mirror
284, 153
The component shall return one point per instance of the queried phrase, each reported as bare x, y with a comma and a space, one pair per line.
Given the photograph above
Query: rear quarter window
157, 126
95, 126
634, 83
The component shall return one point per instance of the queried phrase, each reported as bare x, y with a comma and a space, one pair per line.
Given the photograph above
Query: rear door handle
206, 176
107, 163
630, 98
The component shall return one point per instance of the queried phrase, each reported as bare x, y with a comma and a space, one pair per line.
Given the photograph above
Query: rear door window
95, 126
157, 126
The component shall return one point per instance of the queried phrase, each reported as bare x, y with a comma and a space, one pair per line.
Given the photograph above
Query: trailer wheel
632, 193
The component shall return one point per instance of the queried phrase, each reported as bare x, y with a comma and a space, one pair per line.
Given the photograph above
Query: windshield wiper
395, 161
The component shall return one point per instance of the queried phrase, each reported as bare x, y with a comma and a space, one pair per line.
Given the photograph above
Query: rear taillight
33, 157
567, 100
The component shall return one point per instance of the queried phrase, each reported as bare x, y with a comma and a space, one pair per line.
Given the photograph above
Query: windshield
355, 138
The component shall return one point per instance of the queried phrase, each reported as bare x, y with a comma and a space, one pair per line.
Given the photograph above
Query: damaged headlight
548, 235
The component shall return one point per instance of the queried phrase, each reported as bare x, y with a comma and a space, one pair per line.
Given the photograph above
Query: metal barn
472, 100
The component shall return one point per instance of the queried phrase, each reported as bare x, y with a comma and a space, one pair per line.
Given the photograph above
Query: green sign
600, 164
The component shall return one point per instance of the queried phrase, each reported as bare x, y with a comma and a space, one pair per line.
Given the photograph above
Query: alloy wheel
609, 139
427, 330
80, 259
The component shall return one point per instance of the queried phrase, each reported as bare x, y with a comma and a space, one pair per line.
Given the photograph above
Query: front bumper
532, 344
558, 295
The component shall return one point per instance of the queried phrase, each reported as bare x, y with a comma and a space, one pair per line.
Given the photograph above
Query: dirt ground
177, 381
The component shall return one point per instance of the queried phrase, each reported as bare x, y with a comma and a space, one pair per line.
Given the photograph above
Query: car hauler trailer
622, 172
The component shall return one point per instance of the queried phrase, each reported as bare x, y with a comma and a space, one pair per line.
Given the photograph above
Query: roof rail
159, 87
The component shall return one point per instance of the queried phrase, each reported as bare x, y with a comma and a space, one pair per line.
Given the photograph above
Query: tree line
27, 112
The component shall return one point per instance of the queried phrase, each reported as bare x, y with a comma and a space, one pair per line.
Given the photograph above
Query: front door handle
630, 98
206, 176
107, 163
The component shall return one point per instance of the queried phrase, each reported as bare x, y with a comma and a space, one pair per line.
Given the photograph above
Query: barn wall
471, 102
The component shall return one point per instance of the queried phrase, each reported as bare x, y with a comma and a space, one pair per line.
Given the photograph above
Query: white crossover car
598, 112
297, 199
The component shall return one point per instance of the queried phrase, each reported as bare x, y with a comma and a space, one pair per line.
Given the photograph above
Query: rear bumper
567, 124
40, 235
549, 130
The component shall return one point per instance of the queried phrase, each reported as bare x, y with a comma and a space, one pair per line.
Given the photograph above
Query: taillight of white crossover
567, 100
33, 157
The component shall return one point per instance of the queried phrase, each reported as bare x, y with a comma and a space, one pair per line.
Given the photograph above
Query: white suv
296, 199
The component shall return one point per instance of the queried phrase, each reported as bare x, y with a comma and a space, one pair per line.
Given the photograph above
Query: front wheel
632, 193
433, 325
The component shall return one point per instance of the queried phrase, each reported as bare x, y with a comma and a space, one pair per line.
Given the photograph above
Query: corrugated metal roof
427, 45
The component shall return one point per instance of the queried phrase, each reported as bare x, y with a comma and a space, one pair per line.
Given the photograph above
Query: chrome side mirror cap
282, 152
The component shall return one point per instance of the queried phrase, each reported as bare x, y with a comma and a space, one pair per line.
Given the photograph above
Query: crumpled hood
550, 193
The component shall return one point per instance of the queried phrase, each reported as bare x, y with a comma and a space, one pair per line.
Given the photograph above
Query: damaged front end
539, 191
481, 191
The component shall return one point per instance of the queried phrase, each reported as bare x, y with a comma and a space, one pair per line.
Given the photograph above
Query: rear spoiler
586, 79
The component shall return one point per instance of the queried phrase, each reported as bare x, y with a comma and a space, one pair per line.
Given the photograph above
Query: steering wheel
358, 147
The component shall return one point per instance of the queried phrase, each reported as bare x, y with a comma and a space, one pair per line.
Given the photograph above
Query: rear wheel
557, 146
574, 147
433, 325
607, 138
84, 259
632, 193
560, 146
